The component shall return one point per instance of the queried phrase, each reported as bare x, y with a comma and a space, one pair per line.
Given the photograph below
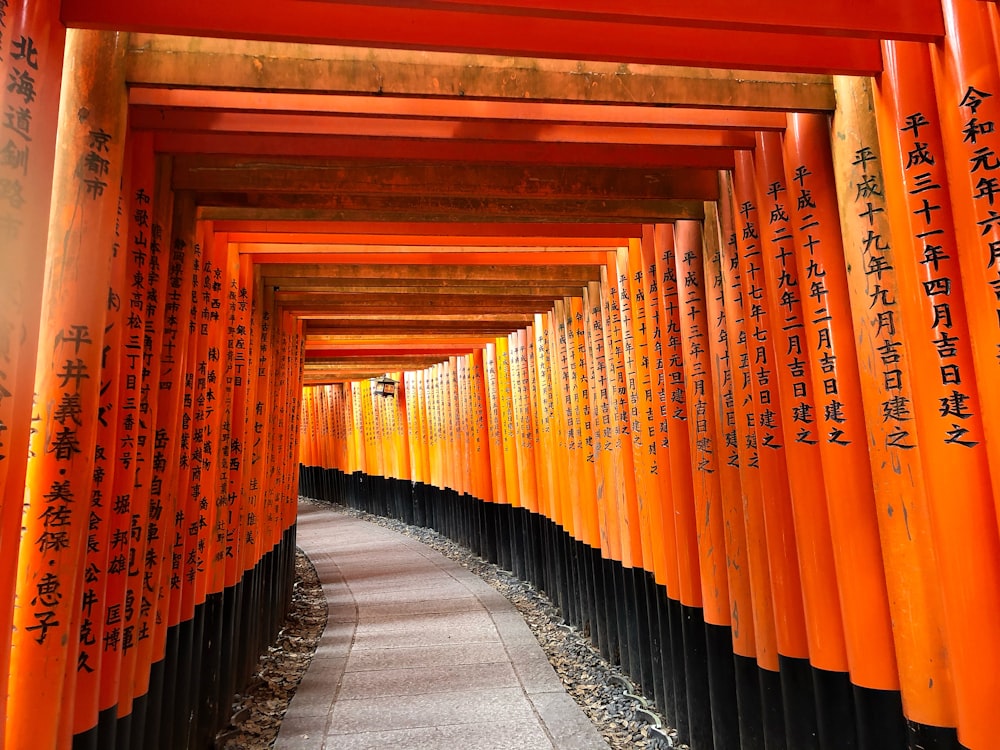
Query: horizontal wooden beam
448, 272
401, 27
438, 208
191, 62
297, 175
350, 287
443, 233
417, 150
458, 110
882, 19
215, 121
584, 257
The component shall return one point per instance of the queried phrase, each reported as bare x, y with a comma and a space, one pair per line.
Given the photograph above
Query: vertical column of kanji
946, 400
967, 82
768, 428
584, 503
544, 427
586, 553
149, 191
615, 351
529, 483
174, 218
176, 715
31, 61
648, 338
231, 509
100, 599
134, 433
821, 600
598, 456
630, 404
691, 683
129, 502
847, 474
497, 464
572, 511
765, 633
703, 440
730, 491
61, 460
635, 377
206, 563
887, 376
481, 437
525, 338
668, 591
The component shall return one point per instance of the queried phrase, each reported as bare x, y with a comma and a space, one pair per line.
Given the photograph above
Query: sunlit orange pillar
693, 711
887, 377
748, 462
97, 675
841, 429
703, 436
32, 40
967, 83
59, 474
938, 337
797, 413
730, 489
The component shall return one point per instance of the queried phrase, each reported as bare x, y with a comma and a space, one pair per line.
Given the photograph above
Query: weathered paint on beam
190, 62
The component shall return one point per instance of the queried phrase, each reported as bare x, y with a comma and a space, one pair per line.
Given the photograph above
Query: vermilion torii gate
735, 268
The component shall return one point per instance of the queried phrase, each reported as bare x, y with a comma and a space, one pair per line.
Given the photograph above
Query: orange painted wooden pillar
841, 429
135, 439
939, 341
692, 690
60, 464
605, 489
544, 412
797, 413
31, 47
151, 235
704, 447
624, 478
585, 502
636, 411
770, 441
649, 342
887, 377
730, 490
748, 462
97, 677
967, 82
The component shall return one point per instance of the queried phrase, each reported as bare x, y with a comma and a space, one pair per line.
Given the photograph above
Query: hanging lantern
385, 386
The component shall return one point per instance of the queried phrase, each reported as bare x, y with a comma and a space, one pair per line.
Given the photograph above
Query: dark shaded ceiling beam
297, 175
436, 208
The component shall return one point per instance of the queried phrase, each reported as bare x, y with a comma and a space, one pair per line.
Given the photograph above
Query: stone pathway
419, 653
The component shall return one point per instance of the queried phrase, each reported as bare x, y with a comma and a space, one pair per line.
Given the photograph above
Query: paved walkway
419, 653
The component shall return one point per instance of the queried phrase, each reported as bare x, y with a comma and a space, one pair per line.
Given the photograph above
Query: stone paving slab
419, 653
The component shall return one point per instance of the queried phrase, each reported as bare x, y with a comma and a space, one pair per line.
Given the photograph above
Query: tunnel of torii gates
694, 312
